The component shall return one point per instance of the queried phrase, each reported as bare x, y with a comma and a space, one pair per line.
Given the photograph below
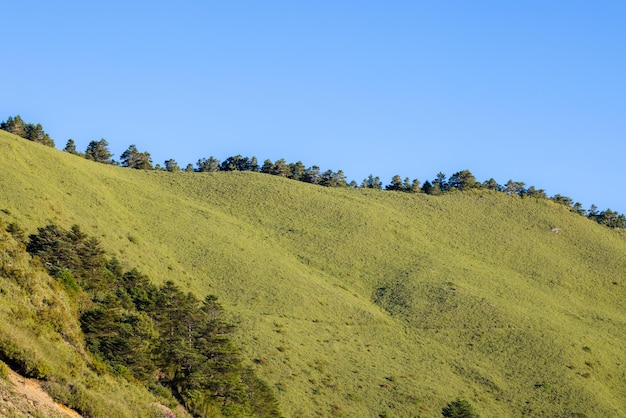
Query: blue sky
533, 91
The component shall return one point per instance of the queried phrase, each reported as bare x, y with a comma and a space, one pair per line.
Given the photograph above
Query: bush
459, 408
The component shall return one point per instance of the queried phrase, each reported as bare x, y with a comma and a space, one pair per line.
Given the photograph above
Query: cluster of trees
463, 180
158, 335
29, 131
99, 152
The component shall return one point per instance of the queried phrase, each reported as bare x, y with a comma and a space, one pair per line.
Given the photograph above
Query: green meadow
360, 302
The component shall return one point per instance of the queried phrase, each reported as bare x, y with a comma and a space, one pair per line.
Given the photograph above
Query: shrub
459, 408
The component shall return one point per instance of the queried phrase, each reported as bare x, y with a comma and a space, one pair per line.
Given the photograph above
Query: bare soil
23, 397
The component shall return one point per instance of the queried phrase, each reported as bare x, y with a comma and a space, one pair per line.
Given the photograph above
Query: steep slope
361, 302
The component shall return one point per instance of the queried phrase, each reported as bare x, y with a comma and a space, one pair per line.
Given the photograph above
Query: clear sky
533, 91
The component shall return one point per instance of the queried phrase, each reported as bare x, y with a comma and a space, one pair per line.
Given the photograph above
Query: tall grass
364, 302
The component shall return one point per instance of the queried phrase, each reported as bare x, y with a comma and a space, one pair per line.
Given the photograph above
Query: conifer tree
210, 165
372, 182
29, 131
396, 184
14, 125
98, 151
172, 166
132, 158
70, 147
311, 175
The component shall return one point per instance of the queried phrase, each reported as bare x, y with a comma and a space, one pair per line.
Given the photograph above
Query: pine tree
439, 184
70, 147
132, 158
396, 184
462, 180
210, 165
415, 186
311, 175
36, 133
297, 170
281, 168
28, 131
372, 182
14, 125
98, 151
459, 408
172, 166
491, 184
427, 188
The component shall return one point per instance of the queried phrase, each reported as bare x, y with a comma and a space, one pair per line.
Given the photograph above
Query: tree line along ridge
98, 151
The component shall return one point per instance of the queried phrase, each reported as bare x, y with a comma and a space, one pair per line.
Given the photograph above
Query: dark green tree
281, 168
268, 167
120, 336
462, 180
563, 200
491, 184
427, 187
71, 250
332, 179
311, 175
254, 165
459, 408
29, 131
36, 133
54, 249
439, 184
338, 179
172, 166
210, 165
611, 219
236, 163
70, 147
14, 125
536, 193
372, 182
396, 184
578, 208
133, 158
297, 170
414, 187
326, 178
98, 151
514, 187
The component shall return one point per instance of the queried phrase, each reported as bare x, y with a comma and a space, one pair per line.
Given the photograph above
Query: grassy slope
475, 297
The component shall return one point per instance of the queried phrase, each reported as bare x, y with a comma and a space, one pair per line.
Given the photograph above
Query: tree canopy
133, 158
98, 151
29, 131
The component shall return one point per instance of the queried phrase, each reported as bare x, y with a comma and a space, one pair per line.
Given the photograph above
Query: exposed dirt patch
23, 397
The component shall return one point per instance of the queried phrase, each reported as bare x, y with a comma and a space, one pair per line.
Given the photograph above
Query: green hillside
357, 302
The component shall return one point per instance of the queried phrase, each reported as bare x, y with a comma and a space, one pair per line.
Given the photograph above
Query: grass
364, 302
